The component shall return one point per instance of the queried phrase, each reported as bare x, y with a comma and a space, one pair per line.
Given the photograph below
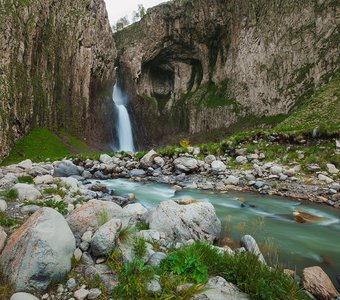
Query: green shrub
139, 247
60, 206
7, 221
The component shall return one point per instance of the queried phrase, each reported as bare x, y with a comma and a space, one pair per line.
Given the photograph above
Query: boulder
3, 237
65, 168
218, 288
197, 221
23, 296
332, 169
70, 182
8, 181
38, 171
232, 180
105, 159
104, 238
316, 281
44, 179
25, 164
92, 214
248, 242
137, 173
325, 178
26, 192
241, 159
3, 205
186, 164
159, 161
209, 159
149, 235
39, 252
276, 170
148, 159
156, 258
134, 209
218, 166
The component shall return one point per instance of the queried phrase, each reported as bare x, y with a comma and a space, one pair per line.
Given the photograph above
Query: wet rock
220, 289
303, 217
316, 281
185, 164
104, 238
148, 159
39, 251
248, 242
23, 296
197, 221
91, 214
97, 187
65, 168
26, 192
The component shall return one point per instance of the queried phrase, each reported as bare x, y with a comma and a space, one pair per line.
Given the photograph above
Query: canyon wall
56, 68
196, 66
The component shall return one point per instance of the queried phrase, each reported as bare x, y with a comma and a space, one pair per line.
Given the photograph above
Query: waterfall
123, 124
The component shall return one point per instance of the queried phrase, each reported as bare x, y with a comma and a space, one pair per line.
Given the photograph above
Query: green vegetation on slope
322, 110
41, 144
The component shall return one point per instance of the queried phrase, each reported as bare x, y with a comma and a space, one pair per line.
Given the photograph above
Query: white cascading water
123, 125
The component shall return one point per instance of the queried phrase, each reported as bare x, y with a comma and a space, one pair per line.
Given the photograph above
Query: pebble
71, 283
81, 294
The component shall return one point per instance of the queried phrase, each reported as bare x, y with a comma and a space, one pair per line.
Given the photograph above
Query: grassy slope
40, 144
322, 110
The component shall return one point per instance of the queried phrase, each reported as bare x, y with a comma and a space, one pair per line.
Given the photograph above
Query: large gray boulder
218, 288
39, 252
92, 214
3, 237
197, 221
65, 168
148, 159
104, 239
26, 192
218, 166
186, 164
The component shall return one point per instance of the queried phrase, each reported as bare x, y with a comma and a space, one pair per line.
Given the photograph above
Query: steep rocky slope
200, 65
56, 68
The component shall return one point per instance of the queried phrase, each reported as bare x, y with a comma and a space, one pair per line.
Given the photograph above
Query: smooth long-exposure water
270, 221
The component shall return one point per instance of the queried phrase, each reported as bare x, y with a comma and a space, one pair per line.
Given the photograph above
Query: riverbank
65, 187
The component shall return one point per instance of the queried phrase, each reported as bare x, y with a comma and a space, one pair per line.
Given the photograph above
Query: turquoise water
271, 222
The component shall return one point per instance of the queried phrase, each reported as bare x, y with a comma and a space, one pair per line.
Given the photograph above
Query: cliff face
200, 65
56, 68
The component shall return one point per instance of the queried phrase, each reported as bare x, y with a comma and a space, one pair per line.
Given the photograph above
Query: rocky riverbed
53, 214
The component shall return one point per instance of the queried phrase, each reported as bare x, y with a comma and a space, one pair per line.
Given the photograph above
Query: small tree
120, 24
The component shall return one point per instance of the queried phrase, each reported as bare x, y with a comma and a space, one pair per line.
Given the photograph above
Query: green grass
60, 206
139, 247
39, 145
6, 288
10, 195
322, 110
26, 179
7, 221
74, 142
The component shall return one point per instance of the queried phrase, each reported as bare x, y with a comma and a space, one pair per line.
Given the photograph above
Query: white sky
120, 8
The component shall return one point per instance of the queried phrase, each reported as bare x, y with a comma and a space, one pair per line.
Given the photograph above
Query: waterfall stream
123, 124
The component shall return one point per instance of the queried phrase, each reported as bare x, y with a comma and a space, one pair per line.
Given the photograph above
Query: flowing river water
270, 221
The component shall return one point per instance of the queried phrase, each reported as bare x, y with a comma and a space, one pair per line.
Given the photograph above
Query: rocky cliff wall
56, 68
199, 65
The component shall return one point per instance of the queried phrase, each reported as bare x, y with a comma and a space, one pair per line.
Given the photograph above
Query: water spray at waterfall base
123, 123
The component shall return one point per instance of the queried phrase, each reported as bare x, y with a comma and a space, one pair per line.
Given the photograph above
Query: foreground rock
23, 296
316, 281
185, 164
248, 242
197, 221
26, 192
39, 252
220, 289
92, 214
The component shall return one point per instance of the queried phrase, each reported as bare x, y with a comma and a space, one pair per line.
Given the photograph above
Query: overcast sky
120, 8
